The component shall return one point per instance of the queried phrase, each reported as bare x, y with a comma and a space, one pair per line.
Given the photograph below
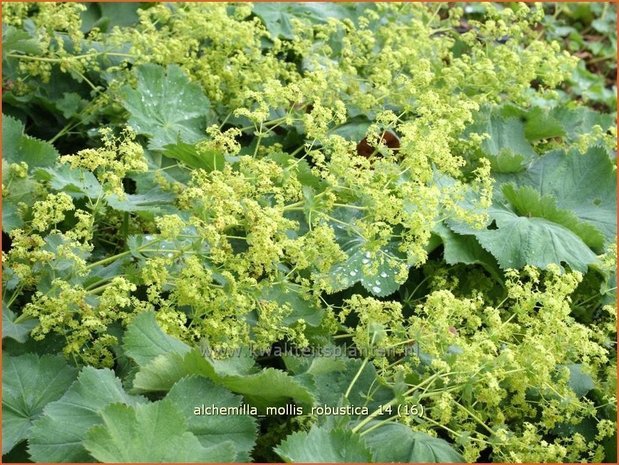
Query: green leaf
465, 249
214, 429
18, 331
18, 147
527, 202
17, 40
321, 445
194, 157
144, 340
22, 190
506, 146
70, 104
559, 208
376, 271
123, 14
355, 129
395, 442
332, 376
580, 120
160, 374
541, 124
57, 436
166, 106
29, 383
277, 16
285, 293
156, 201
76, 182
520, 241
584, 184
507, 161
154, 432
580, 382
268, 387
105, 17
11, 219
164, 360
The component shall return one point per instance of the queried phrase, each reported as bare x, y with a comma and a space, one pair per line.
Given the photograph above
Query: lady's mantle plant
412, 181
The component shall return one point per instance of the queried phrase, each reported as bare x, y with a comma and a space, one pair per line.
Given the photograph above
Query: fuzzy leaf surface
155, 432
57, 436
395, 442
321, 445
29, 383
166, 106
211, 430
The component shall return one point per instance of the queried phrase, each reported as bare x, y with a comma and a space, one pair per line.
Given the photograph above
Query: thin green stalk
449, 430
373, 415
96, 290
14, 295
475, 417
378, 425
258, 142
125, 227
23, 317
357, 375
354, 207
378, 411
110, 259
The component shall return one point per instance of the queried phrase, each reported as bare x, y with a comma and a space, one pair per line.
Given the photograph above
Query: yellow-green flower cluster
512, 364
51, 211
380, 326
83, 317
118, 156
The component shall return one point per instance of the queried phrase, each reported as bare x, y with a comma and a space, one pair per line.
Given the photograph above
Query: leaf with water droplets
166, 106
376, 271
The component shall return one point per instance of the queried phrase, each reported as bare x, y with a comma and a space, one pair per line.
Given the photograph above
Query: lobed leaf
18, 147
18, 331
155, 432
212, 430
29, 383
166, 106
164, 360
324, 445
395, 442
521, 240
584, 184
57, 436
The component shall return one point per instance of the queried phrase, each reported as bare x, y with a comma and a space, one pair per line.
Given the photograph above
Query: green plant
374, 232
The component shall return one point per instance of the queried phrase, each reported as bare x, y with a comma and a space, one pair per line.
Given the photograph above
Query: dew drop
365, 261
148, 237
367, 255
377, 282
353, 273
376, 289
170, 254
383, 275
